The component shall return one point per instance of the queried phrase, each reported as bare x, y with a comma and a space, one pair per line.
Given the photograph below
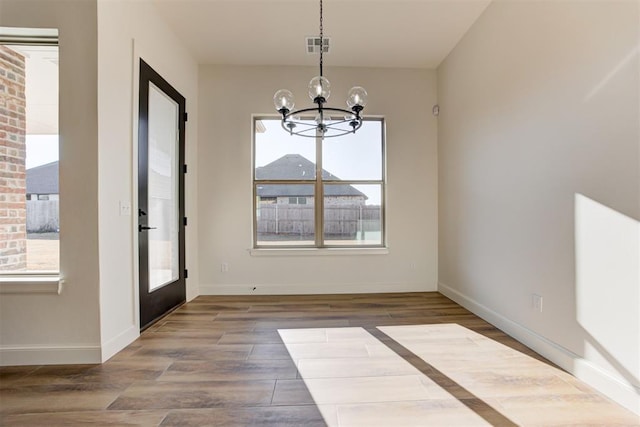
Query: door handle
144, 228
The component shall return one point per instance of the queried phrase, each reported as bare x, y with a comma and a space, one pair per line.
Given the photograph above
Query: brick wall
13, 213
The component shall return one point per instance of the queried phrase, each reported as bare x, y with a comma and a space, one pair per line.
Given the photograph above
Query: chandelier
328, 122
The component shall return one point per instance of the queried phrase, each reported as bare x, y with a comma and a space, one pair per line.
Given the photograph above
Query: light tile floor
443, 375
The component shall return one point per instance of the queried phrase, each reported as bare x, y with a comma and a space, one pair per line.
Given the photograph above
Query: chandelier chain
321, 39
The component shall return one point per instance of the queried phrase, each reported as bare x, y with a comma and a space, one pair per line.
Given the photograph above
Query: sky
351, 157
41, 149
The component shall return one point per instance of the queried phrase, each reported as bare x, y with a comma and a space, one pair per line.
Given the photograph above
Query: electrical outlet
224, 267
537, 303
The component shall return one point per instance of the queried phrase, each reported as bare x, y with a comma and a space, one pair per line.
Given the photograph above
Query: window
310, 192
29, 210
297, 200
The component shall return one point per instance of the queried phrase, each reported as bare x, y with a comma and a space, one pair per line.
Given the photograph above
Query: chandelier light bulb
283, 100
357, 96
319, 87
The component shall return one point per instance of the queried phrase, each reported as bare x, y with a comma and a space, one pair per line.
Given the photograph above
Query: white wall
129, 31
96, 313
64, 328
229, 96
540, 182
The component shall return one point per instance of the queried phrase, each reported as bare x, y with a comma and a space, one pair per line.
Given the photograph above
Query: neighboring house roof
43, 179
295, 166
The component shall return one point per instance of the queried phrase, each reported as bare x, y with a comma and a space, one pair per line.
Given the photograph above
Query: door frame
156, 304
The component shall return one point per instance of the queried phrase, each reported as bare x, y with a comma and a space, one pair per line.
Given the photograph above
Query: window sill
317, 251
31, 284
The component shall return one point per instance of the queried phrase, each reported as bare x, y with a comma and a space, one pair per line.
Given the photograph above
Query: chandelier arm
302, 111
336, 126
338, 110
298, 122
309, 130
339, 122
302, 133
315, 109
343, 133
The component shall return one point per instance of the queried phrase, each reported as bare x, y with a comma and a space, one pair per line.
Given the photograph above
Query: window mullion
319, 194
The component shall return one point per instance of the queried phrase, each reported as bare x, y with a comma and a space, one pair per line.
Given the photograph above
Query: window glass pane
163, 189
355, 156
29, 193
279, 155
352, 214
280, 219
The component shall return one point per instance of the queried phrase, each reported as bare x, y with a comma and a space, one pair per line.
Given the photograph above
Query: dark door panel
161, 136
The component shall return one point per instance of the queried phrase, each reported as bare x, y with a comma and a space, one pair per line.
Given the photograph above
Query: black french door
161, 220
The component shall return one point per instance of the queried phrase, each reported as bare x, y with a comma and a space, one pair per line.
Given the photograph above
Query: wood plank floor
413, 359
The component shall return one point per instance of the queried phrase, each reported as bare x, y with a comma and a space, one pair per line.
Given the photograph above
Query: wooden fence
298, 220
43, 216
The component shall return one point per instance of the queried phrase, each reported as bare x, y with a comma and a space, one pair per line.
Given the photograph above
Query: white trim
314, 289
286, 252
29, 32
45, 355
117, 343
31, 284
135, 242
622, 393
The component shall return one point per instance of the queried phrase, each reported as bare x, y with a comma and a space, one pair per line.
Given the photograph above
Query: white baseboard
328, 288
620, 392
119, 342
66, 355
44, 355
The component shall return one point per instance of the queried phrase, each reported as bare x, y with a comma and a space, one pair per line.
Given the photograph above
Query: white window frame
16, 282
318, 203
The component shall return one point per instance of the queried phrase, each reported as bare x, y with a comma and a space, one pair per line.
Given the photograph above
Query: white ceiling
364, 33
